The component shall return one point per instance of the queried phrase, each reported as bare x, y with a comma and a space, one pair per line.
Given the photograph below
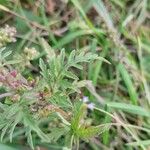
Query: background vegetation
117, 30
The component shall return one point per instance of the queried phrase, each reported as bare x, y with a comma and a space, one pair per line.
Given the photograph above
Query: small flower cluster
88, 104
7, 35
12, 80
31, 53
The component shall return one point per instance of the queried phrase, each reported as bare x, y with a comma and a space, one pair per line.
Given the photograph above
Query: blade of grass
98, 67
106, 135
6, 147
144, 142
71, 36
90, 67
137, 110
146, 87
128, 82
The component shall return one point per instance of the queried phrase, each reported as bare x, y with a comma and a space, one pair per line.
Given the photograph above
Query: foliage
54, 97
27, 104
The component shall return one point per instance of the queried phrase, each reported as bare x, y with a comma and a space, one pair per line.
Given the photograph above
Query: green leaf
29, 137
128, 82
70, 37
17, 119
61, 100
11, 111
44, 71
6, 54
56, 133
71, 56
74, 59
5, 129
144, 142
79, 114
62, 57
71, 75
30, 123
42, 65
48, 49
63, 119
6, 147
137, 110
89, 132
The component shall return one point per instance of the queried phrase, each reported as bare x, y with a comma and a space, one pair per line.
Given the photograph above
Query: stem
71, 143
77, 144
5, 95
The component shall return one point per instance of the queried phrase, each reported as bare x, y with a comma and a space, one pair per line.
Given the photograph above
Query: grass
117, 30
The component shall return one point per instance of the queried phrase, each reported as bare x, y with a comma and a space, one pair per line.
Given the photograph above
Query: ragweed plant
50, 107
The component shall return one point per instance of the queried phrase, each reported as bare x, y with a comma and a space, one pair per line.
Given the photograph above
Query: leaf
65, 84
69, 140
29, 137
85, 57
137, 110
6, 54
63, 119
61, 100
62, 56
77, 66
56, 133
6, 147
3, 106
18, 118
71, 56
74, 59
103, 59
11, 111
89, 132
70, 37
44, 71
128, 82
3, 124
79, 113
11, 62
48, 49
80, 84
144, 142
42, 66
5, 129
71, 75
29, 122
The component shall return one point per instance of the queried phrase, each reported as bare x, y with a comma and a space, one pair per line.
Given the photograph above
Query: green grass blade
71, 36
6, 147
145, 142
137, 110
128, 82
